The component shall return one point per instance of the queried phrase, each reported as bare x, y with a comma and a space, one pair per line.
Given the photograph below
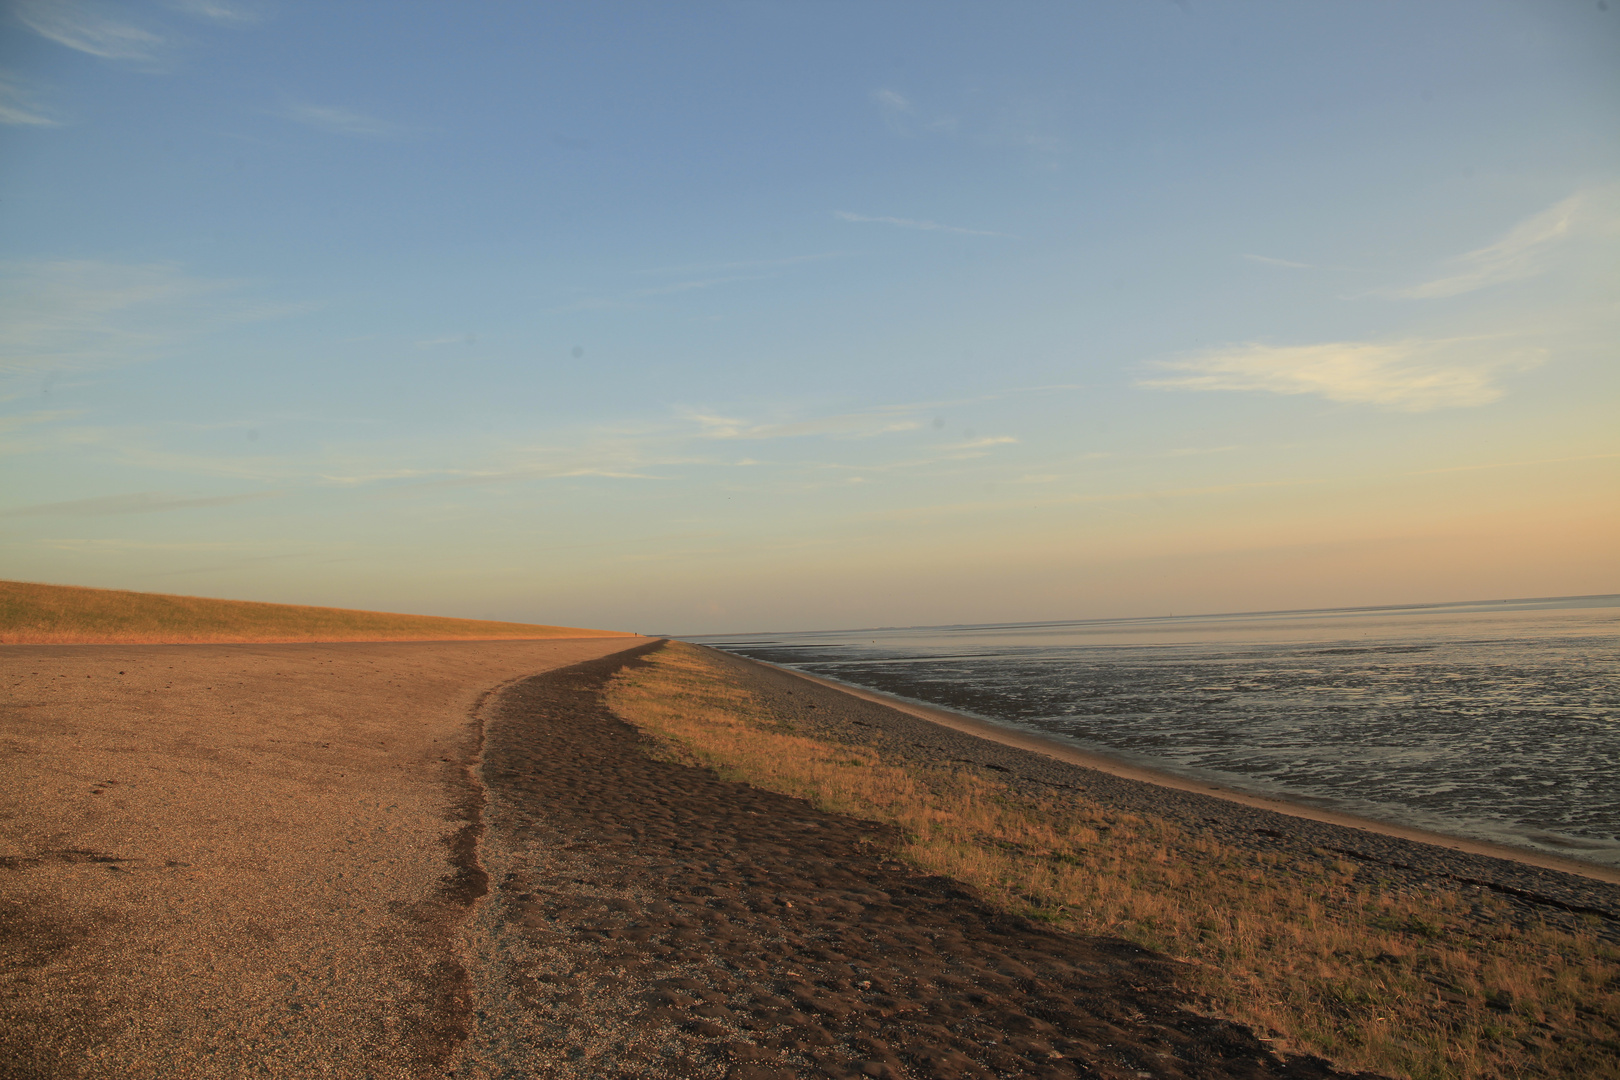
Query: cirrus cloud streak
1414, 375
913, 223
89, 28
1527, 249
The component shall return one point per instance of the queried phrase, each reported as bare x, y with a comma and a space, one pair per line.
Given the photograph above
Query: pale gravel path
236, 860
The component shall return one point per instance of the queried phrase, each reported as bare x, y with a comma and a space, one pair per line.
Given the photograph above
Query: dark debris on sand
655, 920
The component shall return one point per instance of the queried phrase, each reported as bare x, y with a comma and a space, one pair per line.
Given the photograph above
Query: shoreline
651, 917
1052, 747
454, 858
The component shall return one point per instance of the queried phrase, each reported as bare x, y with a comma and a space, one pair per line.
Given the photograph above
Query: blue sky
771, 315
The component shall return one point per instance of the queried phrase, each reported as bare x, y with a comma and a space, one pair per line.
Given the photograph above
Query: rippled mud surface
1497, 722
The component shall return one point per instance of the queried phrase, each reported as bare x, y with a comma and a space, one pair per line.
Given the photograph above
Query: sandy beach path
242, 860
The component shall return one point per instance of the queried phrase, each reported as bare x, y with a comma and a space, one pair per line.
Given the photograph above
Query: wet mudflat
651, 919
1494, 721
1535, 894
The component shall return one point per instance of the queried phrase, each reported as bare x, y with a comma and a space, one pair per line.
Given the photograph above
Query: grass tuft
1309, 952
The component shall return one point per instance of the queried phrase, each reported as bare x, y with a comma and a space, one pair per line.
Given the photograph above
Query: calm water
1499, 721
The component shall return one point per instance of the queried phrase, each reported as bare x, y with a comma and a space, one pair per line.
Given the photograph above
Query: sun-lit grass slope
66, 614
1316, 953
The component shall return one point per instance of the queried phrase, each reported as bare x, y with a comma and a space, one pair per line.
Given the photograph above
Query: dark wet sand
649, 919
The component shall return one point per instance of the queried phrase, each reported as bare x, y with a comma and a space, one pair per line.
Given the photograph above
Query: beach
457, 860
227, 860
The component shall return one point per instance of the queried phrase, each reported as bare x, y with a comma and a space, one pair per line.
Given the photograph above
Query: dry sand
232, 860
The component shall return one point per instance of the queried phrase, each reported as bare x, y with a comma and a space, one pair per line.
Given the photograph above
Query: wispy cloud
20, 107
966, 450
901, 115
1024, 124
984, 442
882, 420
1001, 505
629, 299
892, 100
142, 502
672, 448
895, 108
92, 545
90, 28
746, 264
1269, 261
1196, 451
344, 122
1524, 252
1416, 375
911, 223
85, 314
41, 416
705, 276
540, 470
639, 453
1532, 463
847, 425
220, 11
694, 284
82, 314
448, 339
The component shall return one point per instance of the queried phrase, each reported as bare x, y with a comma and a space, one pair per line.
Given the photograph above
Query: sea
1492, 720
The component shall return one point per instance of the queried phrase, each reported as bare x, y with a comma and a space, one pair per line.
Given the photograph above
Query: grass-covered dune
35, 614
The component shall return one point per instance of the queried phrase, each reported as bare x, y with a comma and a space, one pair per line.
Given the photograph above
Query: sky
748, 316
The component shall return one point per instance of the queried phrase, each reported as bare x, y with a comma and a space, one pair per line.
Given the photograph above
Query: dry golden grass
1315, 954
62, 614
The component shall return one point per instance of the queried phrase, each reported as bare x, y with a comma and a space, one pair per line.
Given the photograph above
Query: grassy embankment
1317, 954
62, 614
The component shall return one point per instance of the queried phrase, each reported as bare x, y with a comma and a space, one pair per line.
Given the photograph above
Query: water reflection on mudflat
1498, 721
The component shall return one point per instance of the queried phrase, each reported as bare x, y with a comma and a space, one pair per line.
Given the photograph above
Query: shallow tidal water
1498, 721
